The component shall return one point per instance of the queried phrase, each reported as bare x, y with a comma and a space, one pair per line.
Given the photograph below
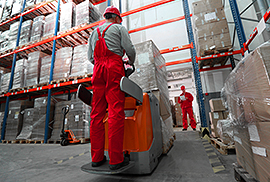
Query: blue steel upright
51, 75
12, 75
238, 23
195, 65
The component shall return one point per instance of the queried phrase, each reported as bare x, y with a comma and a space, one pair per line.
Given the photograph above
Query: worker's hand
183, 98
126, 61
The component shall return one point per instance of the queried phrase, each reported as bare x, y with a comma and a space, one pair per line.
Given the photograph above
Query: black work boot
122, 164
97, 164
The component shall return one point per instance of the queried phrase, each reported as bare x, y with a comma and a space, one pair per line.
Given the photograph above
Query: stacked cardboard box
210, 26
25, 32
18, 79
15, 118
45, 69
1, 121
5, 81
62, 63
247, 89
49, 25
67, 17
17, 7
37, 28
7, 9
151, 75
2, 6
13, 33
80, 63
178, 113
29, 3
4, 41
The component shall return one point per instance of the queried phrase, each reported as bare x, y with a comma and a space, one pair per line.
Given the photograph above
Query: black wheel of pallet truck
63, 142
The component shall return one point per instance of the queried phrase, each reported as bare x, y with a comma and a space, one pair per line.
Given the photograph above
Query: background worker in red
107, 45
185, 101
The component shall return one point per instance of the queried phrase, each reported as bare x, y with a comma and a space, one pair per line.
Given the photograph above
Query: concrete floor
187, 161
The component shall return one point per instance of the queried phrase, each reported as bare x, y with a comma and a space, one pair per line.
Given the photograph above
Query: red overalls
186, 107
107, 73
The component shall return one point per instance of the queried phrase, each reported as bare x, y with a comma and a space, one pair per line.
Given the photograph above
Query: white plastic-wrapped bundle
13, 33
67, 16
80, 63
37, 28
225, 131
62, 64
18, 79
7, 9
5, 82
4, 41
17, 7
49, 25
25, 32
2, 6
29, 3
45, 69
87, 13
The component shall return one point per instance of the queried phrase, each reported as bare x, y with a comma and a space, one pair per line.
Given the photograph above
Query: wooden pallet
59, 81
35, 141
223, 148
240, 174
6, 141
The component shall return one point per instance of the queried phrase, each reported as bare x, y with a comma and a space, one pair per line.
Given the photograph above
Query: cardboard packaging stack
151, 75
37, 28
210, 26
17, 7
80, 63
62, 63
25, 32
49, 25
2, 6
45, 69
13, 32
18, 80
86, 13
178, 113
32, 72
67, 17
15, 118
4, 41
5, 81
29, 3
248, 92
7, 9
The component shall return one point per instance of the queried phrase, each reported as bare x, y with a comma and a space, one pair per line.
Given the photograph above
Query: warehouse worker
185, 101
107, 45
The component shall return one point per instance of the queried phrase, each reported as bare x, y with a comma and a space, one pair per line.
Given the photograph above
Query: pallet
223, 148
240, 174
59, 81
85, 140
6, 141
35, 141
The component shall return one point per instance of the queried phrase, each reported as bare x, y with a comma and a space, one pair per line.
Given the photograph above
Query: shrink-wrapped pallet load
62, 64
4, 41
67, 17
25, 32
7, 9
80, 63
29, 3
37, 28
150, 75
2, 6
45, 69
17, 7
49, 24
248, 91
5, 81
13, 33
18, 79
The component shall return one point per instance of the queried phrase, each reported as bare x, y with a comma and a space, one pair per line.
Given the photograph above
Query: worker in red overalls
185, 101
107, 45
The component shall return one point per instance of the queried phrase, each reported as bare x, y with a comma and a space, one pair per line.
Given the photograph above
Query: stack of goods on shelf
35, 118
45, 69
5, 81
62, 63
178, 113
15, 118
17, 7
13, 33
25, 32
7, 10
4, 40
18, 79
86, 13
248, 92
210, 27
151, 75
67, 17
49, 25
80, 64
37, 28
2, 6
32, 72
1, 122
29, 3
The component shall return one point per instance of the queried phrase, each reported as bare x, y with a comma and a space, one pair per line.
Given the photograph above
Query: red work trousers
188, 111
108, 71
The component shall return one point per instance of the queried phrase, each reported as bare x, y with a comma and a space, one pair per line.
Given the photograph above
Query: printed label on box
210, 16
143, 58
253, 133
216, 115
16, 115
259, 151
77, 118
71, 106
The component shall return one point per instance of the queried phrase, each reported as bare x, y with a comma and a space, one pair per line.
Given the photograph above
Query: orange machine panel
138, 135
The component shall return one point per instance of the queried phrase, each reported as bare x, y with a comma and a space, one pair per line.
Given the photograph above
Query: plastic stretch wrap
25, 32
7, 9
37, 28
15, 118
225, 131
32, 72
67, 17
29, 3
62, 63
87, 13
2, 6
151, 74
80, 63
5, 82
49, 25
247, 90
18, 79
13, 33
17, 7
45, 69
1, 121
210, 26
4, 41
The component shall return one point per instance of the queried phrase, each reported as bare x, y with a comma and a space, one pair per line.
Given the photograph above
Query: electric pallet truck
142, 135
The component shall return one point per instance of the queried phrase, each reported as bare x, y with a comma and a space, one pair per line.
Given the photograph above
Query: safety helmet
114, 10
183, 87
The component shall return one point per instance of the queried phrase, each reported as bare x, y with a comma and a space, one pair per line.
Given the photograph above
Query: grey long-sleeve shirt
117, 39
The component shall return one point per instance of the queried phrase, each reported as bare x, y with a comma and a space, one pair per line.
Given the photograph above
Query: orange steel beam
178, 62
215, 68
174, 49
157, 24
97, 2
220, 55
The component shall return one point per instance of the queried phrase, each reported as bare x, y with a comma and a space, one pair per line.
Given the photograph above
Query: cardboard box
214, 117
222, 40
205, 44
216, 105
206, 5
211, 29
208, 17
225, 114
